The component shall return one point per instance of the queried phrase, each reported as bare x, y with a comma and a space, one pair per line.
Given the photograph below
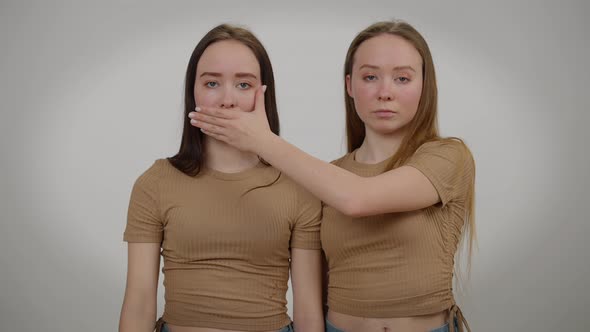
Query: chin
385, 128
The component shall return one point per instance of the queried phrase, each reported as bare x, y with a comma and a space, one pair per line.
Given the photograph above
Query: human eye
211, 84
244, 85
370, 77
403, 79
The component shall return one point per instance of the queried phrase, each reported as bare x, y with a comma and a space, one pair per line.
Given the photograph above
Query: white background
91, 94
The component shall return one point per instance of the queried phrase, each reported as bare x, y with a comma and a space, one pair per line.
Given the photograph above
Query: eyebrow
395, 69
240, 75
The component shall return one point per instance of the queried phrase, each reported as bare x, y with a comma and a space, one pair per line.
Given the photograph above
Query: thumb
259, 106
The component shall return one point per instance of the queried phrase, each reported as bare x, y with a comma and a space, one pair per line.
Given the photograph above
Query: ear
348, 86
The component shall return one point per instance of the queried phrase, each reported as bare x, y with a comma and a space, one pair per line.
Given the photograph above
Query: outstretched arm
402, 189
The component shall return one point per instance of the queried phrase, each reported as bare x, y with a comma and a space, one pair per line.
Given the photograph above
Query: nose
228, 100
385, 91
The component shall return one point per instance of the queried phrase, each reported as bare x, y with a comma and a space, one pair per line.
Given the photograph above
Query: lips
384, 113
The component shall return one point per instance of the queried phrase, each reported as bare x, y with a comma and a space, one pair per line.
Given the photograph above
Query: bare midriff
424, 323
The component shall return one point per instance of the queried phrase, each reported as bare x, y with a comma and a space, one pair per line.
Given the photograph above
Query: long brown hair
191, 155
423, 127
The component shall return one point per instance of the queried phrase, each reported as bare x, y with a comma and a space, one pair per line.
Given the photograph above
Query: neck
225, 158
378, 147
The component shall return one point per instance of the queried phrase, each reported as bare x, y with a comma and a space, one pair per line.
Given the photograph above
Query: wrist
265, 143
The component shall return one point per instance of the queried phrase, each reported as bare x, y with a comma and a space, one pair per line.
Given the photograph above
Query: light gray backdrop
91, 94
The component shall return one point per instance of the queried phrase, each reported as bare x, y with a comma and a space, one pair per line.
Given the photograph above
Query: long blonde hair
423, 127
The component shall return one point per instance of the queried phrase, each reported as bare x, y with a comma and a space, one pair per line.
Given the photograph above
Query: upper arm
401, 189
144, 233
306, 280
139, 309
437, 172
144, 220
305, 232
306, 263
143, 268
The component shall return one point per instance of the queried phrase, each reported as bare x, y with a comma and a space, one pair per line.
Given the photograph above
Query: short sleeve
448, 165
306, 229
144, 223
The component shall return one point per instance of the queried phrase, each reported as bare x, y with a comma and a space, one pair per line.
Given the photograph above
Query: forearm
137, 315
331, 184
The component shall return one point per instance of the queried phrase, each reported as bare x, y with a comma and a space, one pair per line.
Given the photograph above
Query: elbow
354, 212
138, 312
352, 206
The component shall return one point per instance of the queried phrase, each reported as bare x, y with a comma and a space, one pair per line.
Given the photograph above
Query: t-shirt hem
225, 325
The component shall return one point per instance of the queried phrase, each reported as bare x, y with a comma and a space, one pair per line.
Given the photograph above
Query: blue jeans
288, 328
444, 328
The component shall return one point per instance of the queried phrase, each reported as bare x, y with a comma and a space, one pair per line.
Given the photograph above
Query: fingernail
197, 109
264, 88
193, 121
191, 115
